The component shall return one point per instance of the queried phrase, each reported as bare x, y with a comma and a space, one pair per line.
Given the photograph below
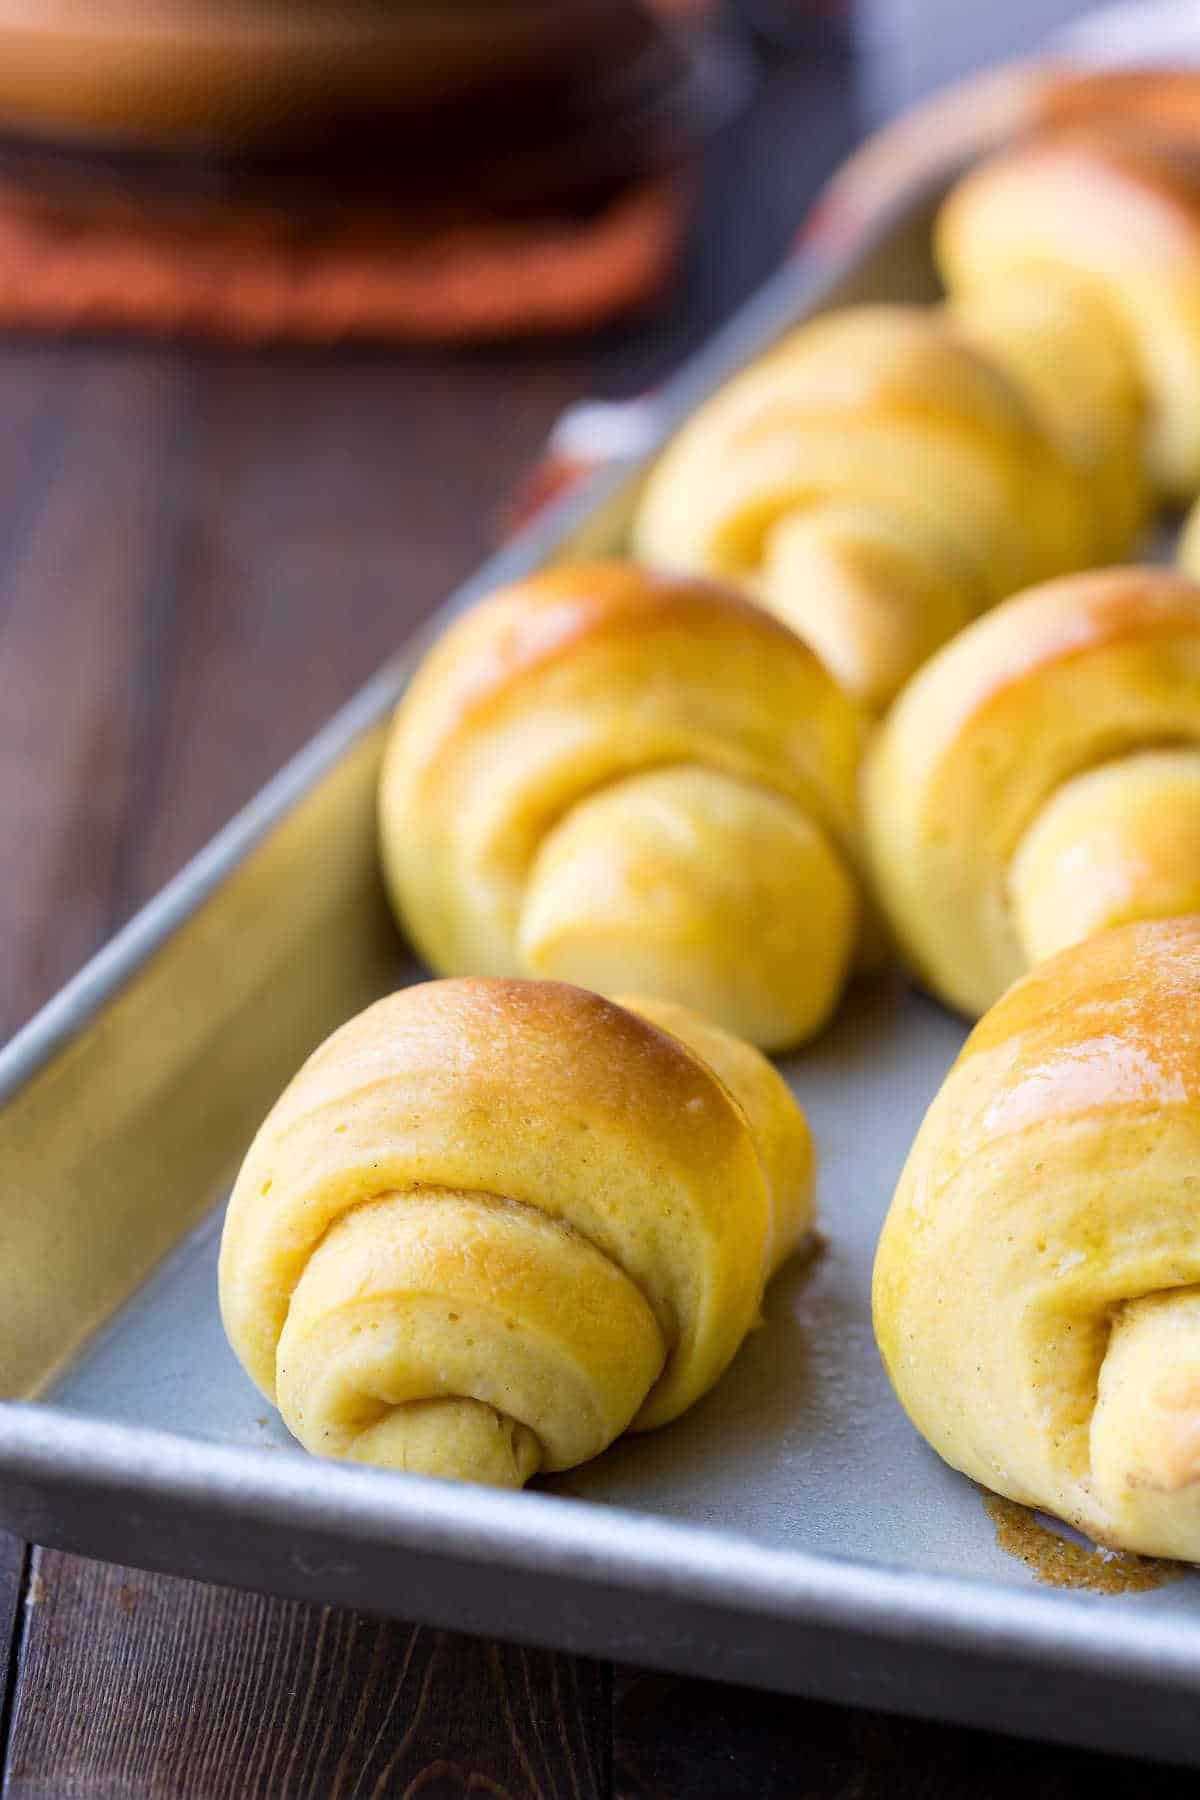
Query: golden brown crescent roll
493, 1224
876, 482
1037, 1285
1039, 780
631, 782
1076, 259
1060, 342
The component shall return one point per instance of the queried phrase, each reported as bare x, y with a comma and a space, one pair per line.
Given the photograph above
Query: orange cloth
254, 275
98, 255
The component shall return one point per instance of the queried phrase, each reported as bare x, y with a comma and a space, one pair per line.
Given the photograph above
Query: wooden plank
330, 504
674, 1737
13, 1558
38, 394
79, 551
138, 1685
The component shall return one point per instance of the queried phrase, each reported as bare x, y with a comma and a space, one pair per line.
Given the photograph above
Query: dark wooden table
200, 556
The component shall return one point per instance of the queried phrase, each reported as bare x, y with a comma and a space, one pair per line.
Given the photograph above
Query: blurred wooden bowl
254, 73
559, 129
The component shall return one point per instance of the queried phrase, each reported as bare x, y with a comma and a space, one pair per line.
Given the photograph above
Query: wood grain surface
675, 1737
206, 1691
13, 1568
201, 555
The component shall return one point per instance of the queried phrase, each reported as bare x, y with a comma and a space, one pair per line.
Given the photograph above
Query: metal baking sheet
791, 1531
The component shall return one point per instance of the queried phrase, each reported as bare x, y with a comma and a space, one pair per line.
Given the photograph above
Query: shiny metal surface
791, 1531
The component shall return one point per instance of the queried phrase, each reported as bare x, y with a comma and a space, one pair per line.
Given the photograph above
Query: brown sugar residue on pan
1062, 1563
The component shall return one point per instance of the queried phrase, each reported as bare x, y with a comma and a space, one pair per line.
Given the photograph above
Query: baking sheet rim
615, 1547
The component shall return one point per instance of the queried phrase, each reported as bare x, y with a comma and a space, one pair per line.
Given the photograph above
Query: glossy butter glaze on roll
1037, 1285
1076, 259
493, 1224
876, 482
1039, 780
633, 782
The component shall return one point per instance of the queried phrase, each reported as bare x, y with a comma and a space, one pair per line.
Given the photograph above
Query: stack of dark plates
505, 106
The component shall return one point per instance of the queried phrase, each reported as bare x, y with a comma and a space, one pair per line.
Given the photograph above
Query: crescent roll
1037, 1284
1101, 238
633, 782
1039, 780
491, 1225
874, 481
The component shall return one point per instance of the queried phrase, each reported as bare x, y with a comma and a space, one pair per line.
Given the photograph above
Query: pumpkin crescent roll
493, 1224
876, 482
1076, 260
1037, 1284
1039, 780
631, 782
